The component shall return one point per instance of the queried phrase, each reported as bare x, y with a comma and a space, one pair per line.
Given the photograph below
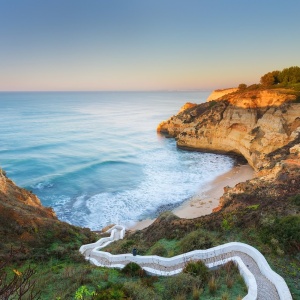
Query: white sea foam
96, 157
166, 182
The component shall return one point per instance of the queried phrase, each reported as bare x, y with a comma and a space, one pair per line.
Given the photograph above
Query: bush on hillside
242, 86
159, 250
295, 199
137, 291
197, 240
288, 231
181, 284
197, 268
132, 269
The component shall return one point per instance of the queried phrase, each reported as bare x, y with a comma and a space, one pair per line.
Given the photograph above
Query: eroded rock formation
252, 124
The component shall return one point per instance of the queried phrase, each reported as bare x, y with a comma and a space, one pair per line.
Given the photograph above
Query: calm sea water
96, 157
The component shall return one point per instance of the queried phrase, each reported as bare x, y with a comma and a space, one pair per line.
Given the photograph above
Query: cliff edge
250, 123
28, 226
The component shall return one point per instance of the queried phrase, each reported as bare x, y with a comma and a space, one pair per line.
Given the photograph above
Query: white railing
103, 242
219, 253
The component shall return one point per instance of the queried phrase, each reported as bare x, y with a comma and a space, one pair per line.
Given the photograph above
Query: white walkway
262, 282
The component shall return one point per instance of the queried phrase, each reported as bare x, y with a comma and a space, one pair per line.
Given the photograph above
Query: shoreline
206, 199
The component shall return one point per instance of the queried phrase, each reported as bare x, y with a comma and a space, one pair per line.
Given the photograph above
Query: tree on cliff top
270, 78
286, 76
242, 86
290, 75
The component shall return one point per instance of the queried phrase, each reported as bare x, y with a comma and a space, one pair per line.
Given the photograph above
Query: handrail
120, 260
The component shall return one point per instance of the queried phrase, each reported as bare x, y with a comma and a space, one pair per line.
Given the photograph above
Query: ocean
96, 158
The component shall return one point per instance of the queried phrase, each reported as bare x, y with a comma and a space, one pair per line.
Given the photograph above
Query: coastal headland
249, 123
261, 207
258, 204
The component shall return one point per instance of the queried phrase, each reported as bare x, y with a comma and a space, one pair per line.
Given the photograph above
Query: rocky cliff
23, 206
220, 93
25, 223
250, 123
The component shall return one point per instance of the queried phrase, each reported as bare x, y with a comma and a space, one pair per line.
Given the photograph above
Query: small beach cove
207, 198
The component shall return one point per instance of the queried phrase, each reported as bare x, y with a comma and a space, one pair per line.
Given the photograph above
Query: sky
77, 45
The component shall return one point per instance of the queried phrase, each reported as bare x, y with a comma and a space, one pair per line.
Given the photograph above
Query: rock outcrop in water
250, 123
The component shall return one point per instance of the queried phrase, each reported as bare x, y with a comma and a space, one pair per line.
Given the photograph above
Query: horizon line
107, 91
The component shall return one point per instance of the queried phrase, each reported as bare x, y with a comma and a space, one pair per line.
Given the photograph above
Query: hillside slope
30, 228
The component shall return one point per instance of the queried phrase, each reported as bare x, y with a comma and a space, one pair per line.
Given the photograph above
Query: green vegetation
46, 257
295, 199
253, 207
133, 269
288, 80
277, 237
197, 268
198, 239
57, 279
287, 76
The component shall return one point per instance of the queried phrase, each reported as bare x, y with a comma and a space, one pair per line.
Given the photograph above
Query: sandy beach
206, 199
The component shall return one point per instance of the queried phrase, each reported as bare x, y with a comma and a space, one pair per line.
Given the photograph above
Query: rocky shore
252, 124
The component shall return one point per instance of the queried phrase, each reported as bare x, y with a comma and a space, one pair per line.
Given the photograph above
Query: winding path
262, 282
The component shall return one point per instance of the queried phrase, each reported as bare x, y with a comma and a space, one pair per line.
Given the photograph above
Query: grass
57, 279
277, 238
164, 247
274, 237
287, 265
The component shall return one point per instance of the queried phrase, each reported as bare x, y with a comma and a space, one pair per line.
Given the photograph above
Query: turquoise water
95, 157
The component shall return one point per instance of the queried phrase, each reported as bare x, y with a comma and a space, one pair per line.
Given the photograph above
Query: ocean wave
106, 167
42, 185
166, 183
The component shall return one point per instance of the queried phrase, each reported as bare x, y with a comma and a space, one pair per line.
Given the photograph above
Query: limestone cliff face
30, 228
252, 124
255, 98
20, 206
220, 93
278, 180
9, 190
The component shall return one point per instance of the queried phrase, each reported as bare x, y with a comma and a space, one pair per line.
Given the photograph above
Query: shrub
212, 285
83, 292
159, 250
295, 199
242, 86
149, 281
113, 292
126, 246
133, 269
19, 286
196, 293
253, 207
167, 216
229, 281
198, 239
197, 268
225, 296
180, 284
139, 292
287, 230
225, 224
253, 87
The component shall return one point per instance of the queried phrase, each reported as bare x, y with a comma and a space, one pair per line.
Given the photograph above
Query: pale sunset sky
57, 45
